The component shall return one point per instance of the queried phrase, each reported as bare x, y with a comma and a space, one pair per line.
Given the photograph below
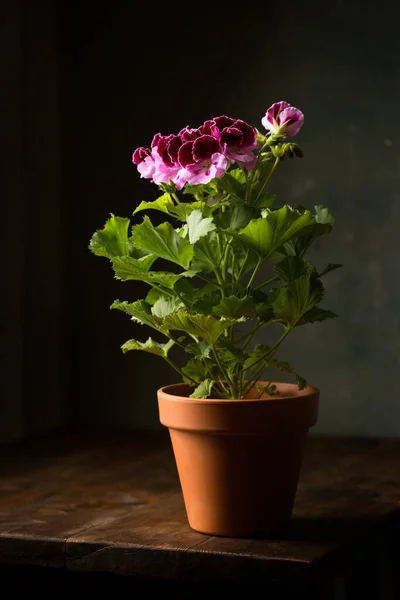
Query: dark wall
34, 357
133, 70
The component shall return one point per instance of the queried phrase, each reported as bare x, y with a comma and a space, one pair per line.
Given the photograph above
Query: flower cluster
196, 156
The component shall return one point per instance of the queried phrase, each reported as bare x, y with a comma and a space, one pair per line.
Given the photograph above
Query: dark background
85, 84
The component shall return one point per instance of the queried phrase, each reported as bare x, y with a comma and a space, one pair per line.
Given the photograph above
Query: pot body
238, 461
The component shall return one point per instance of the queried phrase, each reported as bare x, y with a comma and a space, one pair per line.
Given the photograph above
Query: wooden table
105, 508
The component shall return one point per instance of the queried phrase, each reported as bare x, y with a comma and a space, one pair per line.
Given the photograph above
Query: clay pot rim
307, 392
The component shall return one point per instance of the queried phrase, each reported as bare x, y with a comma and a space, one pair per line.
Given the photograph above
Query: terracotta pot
238, 460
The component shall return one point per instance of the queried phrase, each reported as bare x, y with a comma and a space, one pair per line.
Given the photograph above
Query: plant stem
272, 171
274, 348
264, 359
225, 373
209, 280
261, 285
251, 334
250, 384
254, 273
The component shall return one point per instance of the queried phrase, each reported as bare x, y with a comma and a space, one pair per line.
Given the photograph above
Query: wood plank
110, 502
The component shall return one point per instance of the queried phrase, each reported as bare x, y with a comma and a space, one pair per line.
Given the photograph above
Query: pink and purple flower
202, 160
199, 155
283, 118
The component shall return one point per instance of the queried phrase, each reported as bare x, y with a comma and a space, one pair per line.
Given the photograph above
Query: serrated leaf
200, 326
200, 350
330, 267
140, 312
184, 209
198, 226
322, 226
231, 356
163, 204
232, 306
239, 175
163, 306
149, 346
203, 390
126, 268
236, 217
206, 303
201, 190
231, 185
197, 370
112, 240
207, 253
292, 300
163, 241
263, 201
291, 268
317, 314
267, 234
285, 367
260, 352
262, 306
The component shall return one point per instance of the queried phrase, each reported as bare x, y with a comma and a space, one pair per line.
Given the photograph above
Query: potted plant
225, 268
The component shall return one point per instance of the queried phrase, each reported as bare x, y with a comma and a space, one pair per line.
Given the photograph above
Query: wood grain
110, 502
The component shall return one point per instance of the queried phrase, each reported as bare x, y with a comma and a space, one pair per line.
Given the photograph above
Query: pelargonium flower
238, 140
144, 161
202, 160
283, 118
187, 134
160, 164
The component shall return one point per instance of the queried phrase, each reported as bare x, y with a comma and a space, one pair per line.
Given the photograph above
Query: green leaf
232, 306
200, 326
231, 356
292, 300
230, 184
205, 304
323, 216
267, 234
329, 268
262, 306
184, 209
203, 390
140, 312
164, 306
283, 366
262, 201
112, 240
163, 241
244, 261
200, 350
207, 253
260, 352
126, 268
236, 217
317, 314
291, 268
149, 346
239, 175
323, 225
164, 204
153, 295
198, 226
201, 190
197, 370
